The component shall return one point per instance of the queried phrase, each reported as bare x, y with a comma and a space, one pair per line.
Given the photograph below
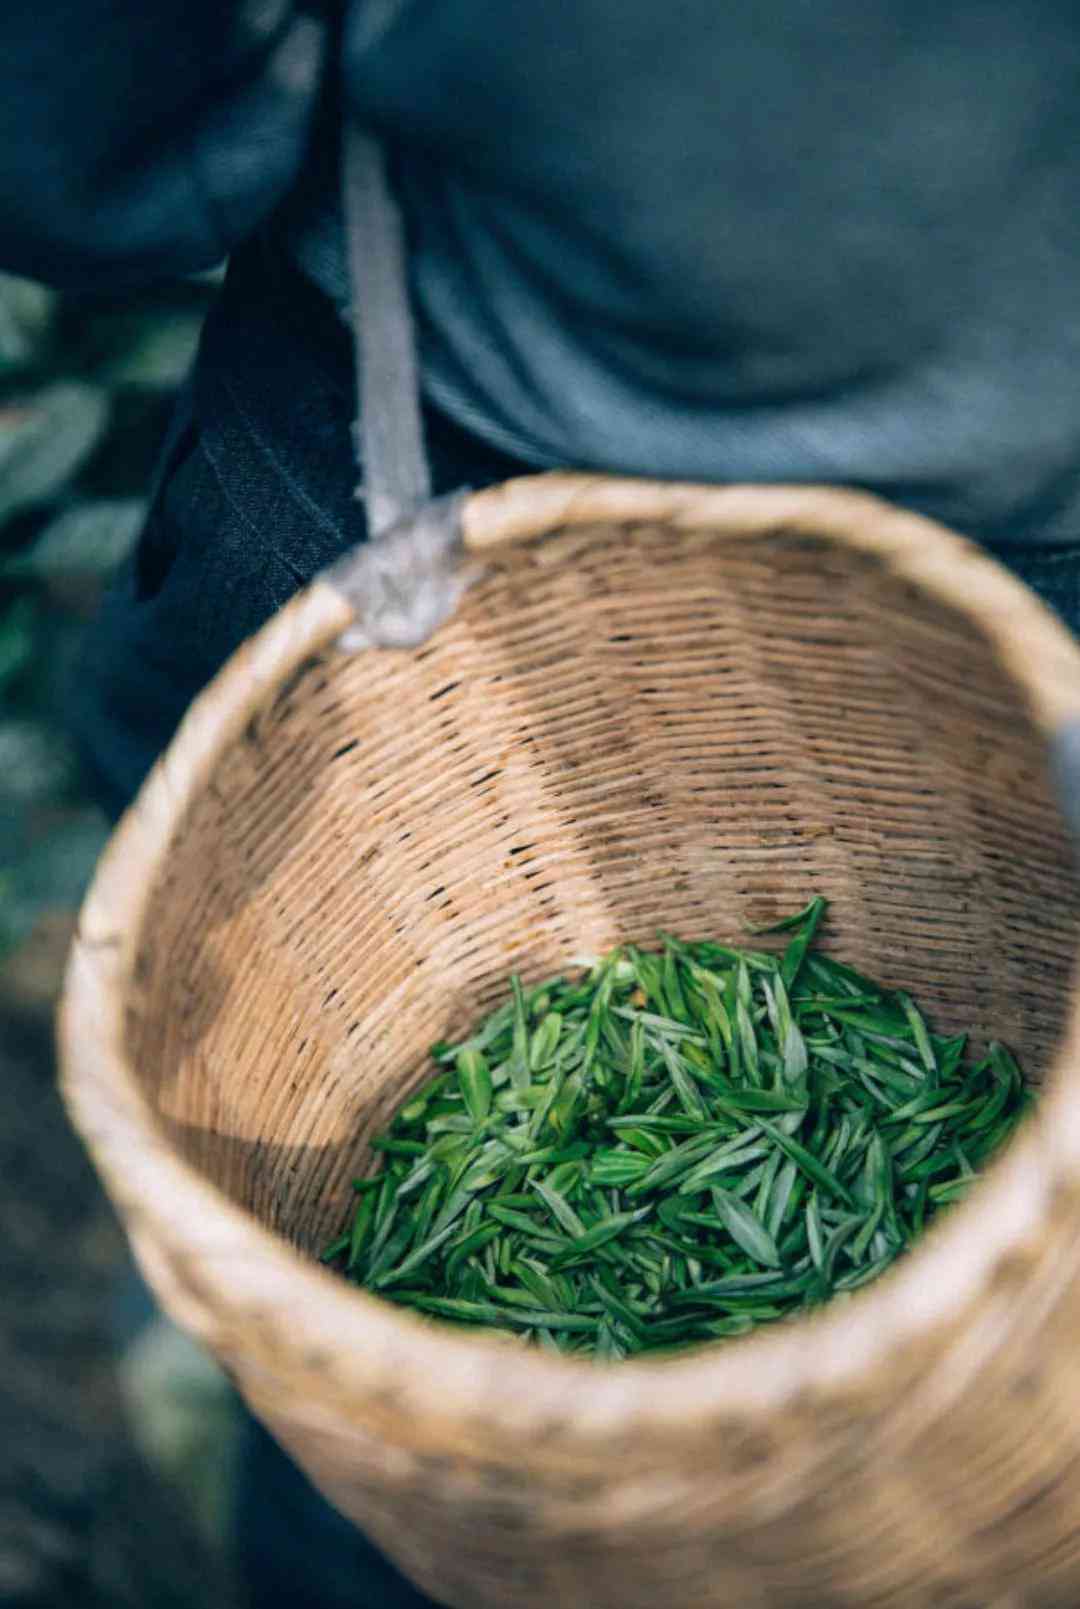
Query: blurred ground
108, 1499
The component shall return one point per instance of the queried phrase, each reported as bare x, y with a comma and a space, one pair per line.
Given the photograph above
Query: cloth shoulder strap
407, 579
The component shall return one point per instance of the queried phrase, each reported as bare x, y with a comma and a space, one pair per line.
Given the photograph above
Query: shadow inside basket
601, 744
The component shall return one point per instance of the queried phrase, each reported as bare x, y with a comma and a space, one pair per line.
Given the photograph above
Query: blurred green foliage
86, 388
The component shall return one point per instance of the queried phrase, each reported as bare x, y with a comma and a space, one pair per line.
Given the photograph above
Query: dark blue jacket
723, 239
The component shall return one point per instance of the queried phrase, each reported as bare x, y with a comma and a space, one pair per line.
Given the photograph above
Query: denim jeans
254, 495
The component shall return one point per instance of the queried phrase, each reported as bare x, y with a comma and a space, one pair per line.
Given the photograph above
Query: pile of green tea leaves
675, 1147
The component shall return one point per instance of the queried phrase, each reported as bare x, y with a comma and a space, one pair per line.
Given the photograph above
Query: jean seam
239, 512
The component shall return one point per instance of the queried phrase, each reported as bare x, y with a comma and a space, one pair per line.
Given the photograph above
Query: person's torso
758, 241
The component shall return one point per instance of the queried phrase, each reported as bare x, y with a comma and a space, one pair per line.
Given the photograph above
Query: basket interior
623, 729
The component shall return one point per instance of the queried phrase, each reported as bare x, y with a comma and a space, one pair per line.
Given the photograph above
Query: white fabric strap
390, 441
407, 579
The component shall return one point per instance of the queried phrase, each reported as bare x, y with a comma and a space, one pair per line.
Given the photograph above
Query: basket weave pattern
660, 707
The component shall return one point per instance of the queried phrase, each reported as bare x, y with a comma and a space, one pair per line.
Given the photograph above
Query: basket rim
226, 1274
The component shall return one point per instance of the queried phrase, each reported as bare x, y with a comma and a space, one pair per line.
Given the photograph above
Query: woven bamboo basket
660, 706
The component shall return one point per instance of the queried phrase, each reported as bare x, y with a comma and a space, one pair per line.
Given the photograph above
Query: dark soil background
86, 1518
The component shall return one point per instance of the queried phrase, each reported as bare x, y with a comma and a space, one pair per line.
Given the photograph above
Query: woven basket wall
661, 707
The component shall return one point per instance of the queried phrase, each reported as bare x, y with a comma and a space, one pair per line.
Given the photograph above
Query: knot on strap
405, 585
1065, 770
407, 579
